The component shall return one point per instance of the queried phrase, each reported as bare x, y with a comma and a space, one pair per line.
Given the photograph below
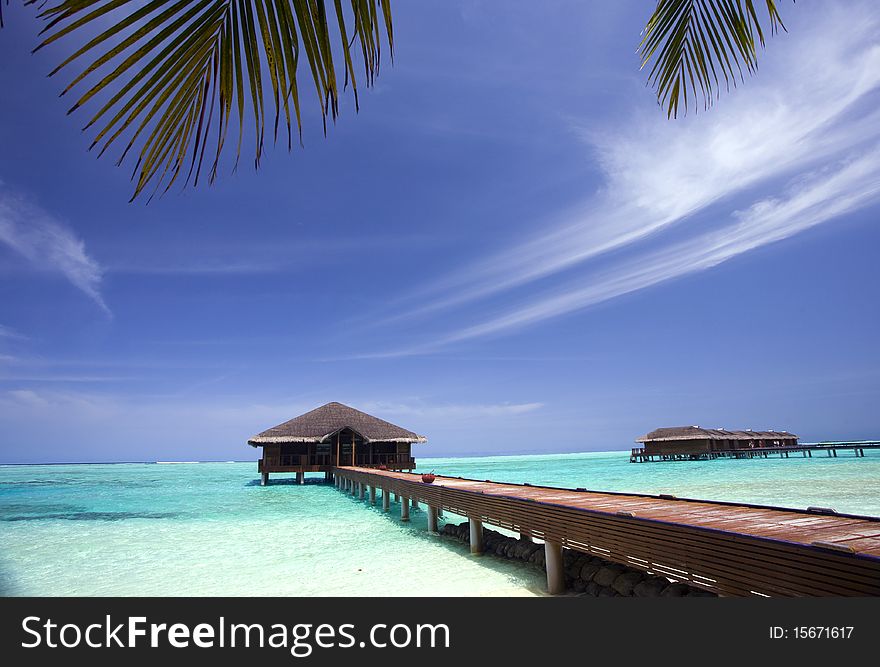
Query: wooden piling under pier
728, 548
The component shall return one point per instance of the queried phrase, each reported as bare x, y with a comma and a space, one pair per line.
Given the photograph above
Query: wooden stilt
476, 533
555, 567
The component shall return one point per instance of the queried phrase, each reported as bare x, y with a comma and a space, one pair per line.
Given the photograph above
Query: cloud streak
807, 126
827, 196
10, 333
450, 411
48, 244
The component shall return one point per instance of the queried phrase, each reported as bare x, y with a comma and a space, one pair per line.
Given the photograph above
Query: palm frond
168, 71
701, 46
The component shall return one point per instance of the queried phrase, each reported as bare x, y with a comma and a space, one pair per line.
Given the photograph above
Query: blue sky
509, 249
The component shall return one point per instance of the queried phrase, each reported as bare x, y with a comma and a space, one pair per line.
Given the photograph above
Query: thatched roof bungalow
696, 442
334, 435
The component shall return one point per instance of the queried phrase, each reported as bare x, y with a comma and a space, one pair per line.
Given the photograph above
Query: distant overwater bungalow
693, 443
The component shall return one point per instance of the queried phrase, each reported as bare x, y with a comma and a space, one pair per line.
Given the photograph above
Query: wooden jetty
806, 450
728, 548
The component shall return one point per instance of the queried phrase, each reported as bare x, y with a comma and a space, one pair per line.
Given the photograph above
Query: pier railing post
476, 531
432, 519
386, 500
555, 567
404, 509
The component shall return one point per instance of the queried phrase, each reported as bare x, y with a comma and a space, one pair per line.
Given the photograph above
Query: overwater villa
694, 443
334, 435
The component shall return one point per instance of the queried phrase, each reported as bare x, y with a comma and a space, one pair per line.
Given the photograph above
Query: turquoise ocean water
210, 529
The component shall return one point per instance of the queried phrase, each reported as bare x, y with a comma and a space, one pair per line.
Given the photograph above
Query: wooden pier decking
728, 548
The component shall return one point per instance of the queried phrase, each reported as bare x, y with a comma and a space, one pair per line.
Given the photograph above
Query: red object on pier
428, 478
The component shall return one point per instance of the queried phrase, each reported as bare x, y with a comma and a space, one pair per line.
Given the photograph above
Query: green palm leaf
700, 46
171, 74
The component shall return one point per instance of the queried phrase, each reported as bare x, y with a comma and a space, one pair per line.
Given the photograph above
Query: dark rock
593, 589
625, 583
579, 586
675, 591
608, 592
589, 570
650, 587
607, 574
523, 547
701, 593
529, 551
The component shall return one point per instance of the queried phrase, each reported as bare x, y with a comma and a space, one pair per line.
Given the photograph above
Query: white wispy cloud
449, 411
828, 195
10, 333
806, 126
48, 244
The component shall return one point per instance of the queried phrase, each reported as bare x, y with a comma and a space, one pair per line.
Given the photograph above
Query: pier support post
432, 519
386, 500
396, 498
555, 567
404, 509
363, 490
372, 495
476, 528
415, 504
300, 478
264, 479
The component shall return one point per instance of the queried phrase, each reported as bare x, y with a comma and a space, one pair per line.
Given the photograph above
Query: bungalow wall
677, 447
293, 457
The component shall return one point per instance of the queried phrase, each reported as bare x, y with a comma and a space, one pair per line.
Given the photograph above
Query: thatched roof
321, 424
697, 433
